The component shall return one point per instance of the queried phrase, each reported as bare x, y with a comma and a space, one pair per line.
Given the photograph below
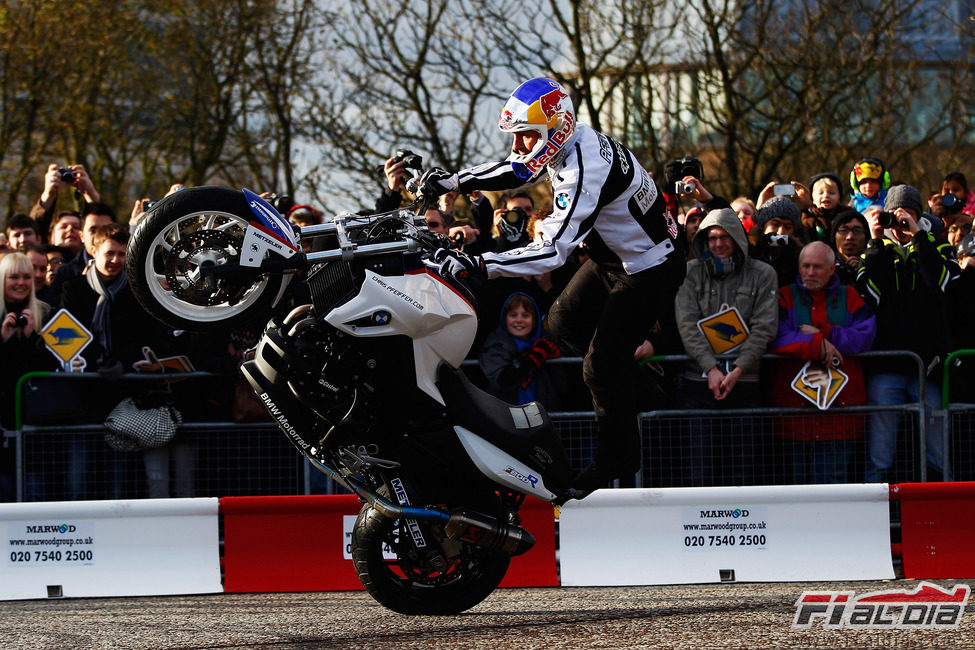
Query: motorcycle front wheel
177, 243
409, 585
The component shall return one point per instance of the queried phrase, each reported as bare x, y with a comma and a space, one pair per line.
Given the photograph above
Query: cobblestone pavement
698, 616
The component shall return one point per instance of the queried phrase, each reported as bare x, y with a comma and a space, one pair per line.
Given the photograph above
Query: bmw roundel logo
382, 318
562, 201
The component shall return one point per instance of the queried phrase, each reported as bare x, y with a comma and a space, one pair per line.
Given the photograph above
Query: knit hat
304, 214
869, 169
831, 176
778, 207
904, 196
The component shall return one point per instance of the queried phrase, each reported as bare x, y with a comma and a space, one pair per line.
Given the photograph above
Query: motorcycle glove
457, 263
435, 182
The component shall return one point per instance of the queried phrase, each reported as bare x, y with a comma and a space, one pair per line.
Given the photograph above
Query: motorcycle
365, 382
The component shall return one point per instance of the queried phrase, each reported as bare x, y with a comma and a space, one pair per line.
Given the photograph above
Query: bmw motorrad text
723, 527
49, 543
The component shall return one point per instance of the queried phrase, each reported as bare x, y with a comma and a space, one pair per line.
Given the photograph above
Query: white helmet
540, 105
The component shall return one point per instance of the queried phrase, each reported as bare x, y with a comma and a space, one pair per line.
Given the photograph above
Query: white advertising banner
109, 548
722, 534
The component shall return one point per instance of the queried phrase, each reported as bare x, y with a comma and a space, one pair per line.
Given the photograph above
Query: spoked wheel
409, 583
178, 242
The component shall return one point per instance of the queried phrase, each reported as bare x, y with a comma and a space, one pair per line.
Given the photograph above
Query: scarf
101, 326
719, 267
861, 202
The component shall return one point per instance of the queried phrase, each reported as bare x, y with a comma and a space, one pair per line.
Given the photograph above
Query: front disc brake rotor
190, 258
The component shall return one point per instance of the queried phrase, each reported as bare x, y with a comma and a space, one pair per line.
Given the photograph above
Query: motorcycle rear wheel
402, 586
172, 247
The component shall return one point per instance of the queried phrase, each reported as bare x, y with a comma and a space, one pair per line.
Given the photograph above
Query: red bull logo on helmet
555, 143
507, 120
551, 102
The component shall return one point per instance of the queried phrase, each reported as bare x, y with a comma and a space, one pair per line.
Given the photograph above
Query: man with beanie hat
782, 212
724, 276
773, 238
905, 277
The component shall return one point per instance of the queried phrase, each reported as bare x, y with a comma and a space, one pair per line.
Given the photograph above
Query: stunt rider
601, 196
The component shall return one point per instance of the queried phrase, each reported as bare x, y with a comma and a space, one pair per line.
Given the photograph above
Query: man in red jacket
820, 321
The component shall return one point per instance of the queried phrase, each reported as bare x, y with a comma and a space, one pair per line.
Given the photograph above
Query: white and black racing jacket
602, 196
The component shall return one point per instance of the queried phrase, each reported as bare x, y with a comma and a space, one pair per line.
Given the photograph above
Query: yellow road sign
64, 336
725, 330
819, 384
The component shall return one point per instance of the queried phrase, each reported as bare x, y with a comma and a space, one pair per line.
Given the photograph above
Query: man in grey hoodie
727, 305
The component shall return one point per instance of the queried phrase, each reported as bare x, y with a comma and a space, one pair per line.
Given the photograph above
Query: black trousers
604, 316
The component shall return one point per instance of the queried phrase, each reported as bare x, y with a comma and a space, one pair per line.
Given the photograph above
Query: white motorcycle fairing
420, 305
501, 467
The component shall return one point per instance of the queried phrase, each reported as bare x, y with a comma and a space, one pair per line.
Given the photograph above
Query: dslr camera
676, 170
888, 219
67, 176
413, 162
514, 215
282, 203
951, 203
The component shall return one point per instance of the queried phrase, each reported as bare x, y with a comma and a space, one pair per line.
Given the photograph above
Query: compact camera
683, 188
148, 204
778, 240
21, 321
67, 176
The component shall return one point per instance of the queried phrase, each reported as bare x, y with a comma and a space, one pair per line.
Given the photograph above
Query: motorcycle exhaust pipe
472, 528
488, 533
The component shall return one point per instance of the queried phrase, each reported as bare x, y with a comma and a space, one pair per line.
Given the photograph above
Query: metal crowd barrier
61, 454
959, 419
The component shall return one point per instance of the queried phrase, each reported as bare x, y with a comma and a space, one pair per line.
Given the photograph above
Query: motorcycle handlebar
343, 225
364, 250
355, 222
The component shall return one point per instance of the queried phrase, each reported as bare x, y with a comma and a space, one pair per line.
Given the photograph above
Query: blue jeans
821, 461
887, 389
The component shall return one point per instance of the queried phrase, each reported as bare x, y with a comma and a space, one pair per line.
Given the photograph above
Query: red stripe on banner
536, 568
296, 543
289, 543
936, 529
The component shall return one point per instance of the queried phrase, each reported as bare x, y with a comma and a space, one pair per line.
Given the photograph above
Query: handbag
130, 428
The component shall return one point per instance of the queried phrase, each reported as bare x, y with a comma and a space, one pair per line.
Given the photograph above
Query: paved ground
733, 615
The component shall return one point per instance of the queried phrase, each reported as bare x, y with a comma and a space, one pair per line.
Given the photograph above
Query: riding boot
618, 455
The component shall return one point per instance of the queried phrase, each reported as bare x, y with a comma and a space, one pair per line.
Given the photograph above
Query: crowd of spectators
798, 270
